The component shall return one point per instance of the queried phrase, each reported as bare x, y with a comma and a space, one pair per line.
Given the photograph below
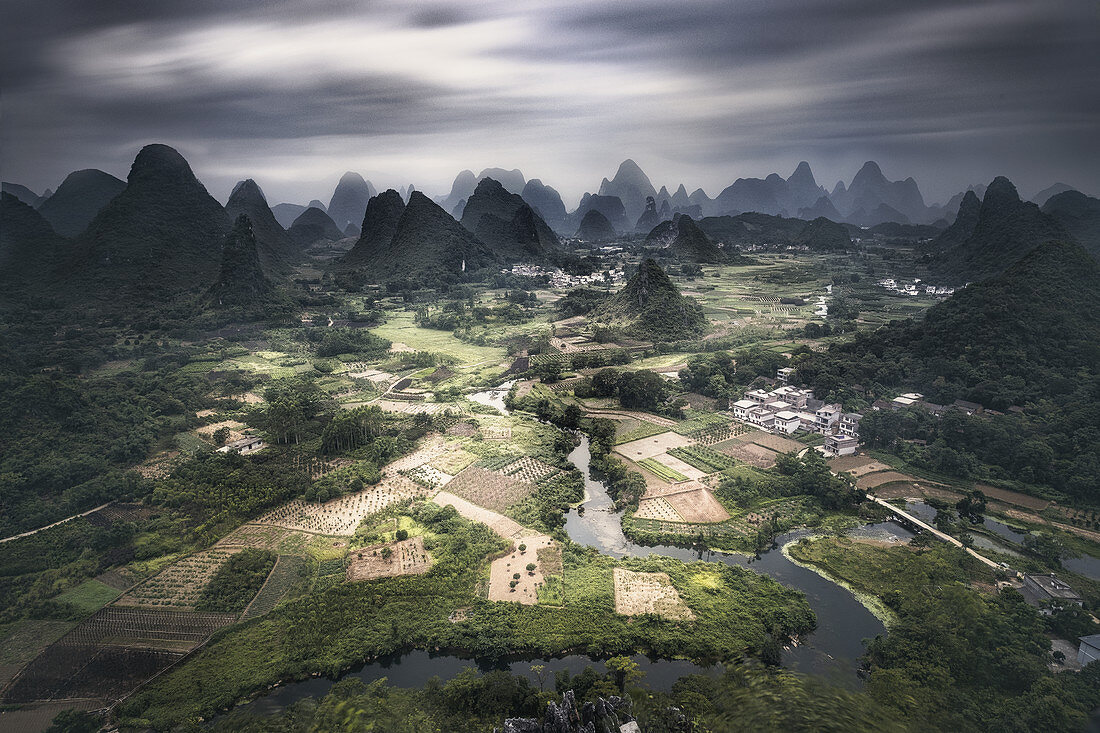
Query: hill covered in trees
1028, 338
651, 307
983, 243
160, 236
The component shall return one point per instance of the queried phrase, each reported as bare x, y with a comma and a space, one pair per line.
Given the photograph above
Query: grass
661, 471
89, 596
644, 430
401, 328
701, 422
705, 459
552, 592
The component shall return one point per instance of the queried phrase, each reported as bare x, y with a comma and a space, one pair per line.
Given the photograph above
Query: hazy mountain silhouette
1079, 215
1050, 191
507, 225
78, 199
595, 227
349, 200
632, 186
277, 250
24, 194
610, 206
380, 224
546, 202
314, 225
28, 246
870, 188
649, 218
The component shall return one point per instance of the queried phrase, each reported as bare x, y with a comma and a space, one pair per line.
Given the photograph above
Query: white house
787, 422
244, 446
784, 374
826, 417
741, 409
849, 424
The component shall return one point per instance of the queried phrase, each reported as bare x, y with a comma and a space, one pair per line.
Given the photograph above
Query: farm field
180, 584
503, 569
857, 465
91, 595
755, 455
638, 594
502, 525
661, 471
651, 446
404, 557
657, 508
401, 328
489, 489
286, 573
340, 516
113, 651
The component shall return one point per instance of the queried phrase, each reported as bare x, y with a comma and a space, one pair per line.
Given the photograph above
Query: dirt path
644, 416
62, 521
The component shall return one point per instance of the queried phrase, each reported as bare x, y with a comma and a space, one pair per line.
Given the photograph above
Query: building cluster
787, 409
914, 288
559, 279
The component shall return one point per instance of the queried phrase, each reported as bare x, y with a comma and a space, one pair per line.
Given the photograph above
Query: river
831, 651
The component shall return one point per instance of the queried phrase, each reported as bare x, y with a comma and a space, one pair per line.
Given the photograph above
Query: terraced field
180, 585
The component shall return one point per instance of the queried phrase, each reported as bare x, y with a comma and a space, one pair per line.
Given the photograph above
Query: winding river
832, 650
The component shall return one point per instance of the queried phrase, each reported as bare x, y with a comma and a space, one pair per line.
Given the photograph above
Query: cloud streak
700, 92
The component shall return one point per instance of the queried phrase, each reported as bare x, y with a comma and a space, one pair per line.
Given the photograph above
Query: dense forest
1024, 344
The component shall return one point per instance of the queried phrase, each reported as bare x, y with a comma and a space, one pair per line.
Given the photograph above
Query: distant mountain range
160, 232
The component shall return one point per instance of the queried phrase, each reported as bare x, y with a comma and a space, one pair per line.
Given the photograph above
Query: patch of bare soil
637, 594
406, 557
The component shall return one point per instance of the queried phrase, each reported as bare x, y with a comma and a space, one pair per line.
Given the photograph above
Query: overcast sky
700, 92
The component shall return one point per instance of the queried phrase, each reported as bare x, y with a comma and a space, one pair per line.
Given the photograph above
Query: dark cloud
705, 91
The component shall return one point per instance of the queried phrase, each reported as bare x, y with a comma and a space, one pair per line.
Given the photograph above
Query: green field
400, 328
91, 595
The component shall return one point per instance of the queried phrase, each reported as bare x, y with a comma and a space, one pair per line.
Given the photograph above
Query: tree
530, 568
624, 670
221, 435
402, 535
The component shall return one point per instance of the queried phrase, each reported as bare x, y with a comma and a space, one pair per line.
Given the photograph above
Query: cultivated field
180, 585
507, 528
857, 465
503, 570
871, 480
407, 557
489, 489
528, 469
637, 594
282, 578
342, 515
750, 453
777, 443
112, 652
637, 450
681, 467
692, 501
657, 508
